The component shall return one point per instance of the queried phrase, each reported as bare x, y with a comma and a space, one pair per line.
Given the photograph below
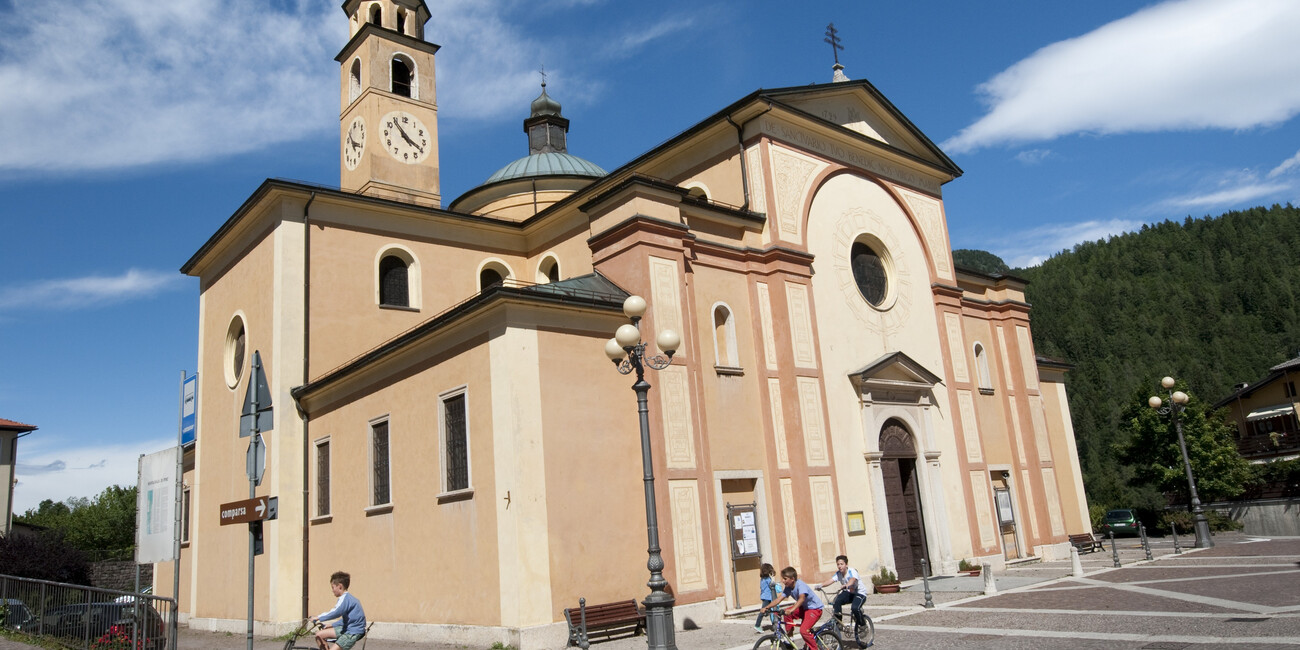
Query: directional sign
257, 402
258, 509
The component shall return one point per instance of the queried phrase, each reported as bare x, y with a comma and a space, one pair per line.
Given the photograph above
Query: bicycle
779, 639
862, 632
306, 629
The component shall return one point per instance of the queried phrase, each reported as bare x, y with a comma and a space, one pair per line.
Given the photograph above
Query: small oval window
869, 273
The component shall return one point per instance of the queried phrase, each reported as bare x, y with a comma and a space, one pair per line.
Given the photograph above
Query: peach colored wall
596, 504
732, 405
412, 562
220, 553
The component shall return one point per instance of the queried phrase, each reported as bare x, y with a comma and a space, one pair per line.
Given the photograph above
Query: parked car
1121, 522
15, 615
153, 631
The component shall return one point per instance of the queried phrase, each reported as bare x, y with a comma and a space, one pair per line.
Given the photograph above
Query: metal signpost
254, 418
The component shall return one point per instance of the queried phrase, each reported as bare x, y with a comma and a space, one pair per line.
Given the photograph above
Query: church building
446, 422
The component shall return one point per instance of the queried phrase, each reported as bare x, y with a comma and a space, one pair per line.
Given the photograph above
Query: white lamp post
628, 353
1177, 402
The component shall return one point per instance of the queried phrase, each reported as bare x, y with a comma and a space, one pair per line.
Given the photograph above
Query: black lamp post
628, 353
1177, 402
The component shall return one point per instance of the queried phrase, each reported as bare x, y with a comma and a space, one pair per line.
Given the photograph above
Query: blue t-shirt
810, 601
765, 589
352, 619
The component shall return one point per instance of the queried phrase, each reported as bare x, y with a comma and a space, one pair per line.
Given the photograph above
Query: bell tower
388, 126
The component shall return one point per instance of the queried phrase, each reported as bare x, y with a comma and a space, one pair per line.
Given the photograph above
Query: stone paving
1244, 593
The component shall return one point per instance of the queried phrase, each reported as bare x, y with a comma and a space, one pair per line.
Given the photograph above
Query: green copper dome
546, 164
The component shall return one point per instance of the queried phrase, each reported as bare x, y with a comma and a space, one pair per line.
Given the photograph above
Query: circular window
869, 273
236, 344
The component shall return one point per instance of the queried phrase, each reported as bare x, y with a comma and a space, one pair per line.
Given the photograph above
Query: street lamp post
628, 353
1178, 402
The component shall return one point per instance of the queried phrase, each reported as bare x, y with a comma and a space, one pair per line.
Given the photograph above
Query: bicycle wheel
864, 633
828, 641
768, 642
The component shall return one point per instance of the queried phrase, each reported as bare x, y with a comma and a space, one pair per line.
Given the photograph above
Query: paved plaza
1244, 593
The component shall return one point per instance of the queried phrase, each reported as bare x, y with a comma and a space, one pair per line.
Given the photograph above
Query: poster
155, 518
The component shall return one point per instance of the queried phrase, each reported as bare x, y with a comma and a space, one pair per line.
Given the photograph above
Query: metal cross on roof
543, 73
833, 38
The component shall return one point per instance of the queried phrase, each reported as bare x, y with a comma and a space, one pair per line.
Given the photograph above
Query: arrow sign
248, 510
256, 413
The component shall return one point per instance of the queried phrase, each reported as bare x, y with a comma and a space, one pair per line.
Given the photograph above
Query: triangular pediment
895, 369
858, 107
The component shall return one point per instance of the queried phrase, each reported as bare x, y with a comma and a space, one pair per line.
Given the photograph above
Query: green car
1120, 522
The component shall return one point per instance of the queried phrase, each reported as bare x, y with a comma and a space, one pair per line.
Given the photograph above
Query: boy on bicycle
351, 624
852, 590
806, 605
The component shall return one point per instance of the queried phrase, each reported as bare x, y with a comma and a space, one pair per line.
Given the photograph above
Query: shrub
1183, 519
44, 556
885, 577
965, 565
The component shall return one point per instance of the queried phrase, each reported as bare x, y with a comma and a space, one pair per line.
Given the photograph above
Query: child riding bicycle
807, 606
351, 623
852, 589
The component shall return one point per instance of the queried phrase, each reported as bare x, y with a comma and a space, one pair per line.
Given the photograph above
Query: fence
75, 616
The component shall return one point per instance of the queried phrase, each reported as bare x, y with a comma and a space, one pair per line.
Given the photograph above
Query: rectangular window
455, 442
323, 478
1289, 388
379, 463
185, 516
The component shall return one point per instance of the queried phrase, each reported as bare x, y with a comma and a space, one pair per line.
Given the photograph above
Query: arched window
402, 76
982, 364
354, 81
489, 277
548, 270
397, 278
394, 284
724, 337
376, 14
401, 21
697, 193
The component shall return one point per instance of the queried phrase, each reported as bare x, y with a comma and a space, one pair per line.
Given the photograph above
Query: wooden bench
1086, 543
608, 618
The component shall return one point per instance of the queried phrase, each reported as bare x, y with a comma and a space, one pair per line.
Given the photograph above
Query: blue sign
189, 409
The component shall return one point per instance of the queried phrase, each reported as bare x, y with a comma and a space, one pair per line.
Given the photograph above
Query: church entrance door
902, 499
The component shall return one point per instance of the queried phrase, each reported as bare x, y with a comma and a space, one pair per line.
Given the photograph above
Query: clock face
405, 137
354, 143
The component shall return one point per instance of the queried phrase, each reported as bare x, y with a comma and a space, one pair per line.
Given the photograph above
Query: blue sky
133, 128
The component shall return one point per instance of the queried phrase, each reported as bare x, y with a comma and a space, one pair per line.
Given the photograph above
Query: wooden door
902, 499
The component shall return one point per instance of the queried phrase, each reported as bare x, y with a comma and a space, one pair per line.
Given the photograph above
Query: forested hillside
1211, 301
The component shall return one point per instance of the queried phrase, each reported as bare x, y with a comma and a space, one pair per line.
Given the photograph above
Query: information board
744, 531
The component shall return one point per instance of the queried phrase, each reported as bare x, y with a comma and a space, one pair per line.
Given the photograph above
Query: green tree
978, 260
1151, 448
103, 525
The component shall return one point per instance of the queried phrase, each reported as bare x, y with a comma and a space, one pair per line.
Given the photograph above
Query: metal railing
89, 618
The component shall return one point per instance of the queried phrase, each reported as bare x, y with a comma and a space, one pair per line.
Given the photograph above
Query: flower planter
887, 589
975, 573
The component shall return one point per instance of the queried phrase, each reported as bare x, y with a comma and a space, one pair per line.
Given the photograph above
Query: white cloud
106, 84
1179, 65
89, 291
1238, 188
1033, 156
57, 468
1031, 247
633, 41
117, 83
1289, 165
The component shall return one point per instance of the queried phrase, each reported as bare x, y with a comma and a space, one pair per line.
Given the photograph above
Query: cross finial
543, 73
832, 37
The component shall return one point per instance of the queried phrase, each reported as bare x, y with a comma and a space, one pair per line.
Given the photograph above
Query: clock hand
407, 137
